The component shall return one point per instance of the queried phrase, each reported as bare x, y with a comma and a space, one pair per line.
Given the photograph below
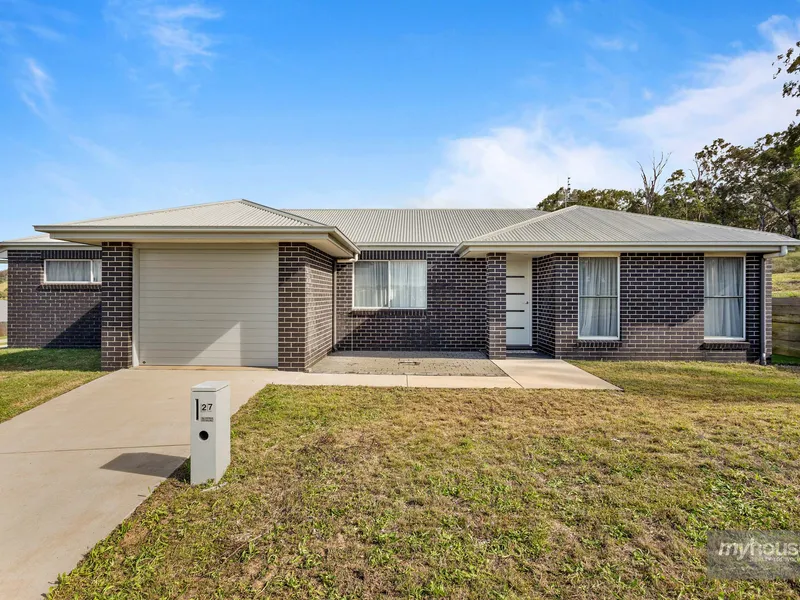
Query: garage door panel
220, 295
203, 361
215, 308
178, 336
209, 279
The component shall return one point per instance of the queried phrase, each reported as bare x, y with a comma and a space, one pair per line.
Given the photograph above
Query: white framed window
724, 298
72, 271
598, 297
390, 284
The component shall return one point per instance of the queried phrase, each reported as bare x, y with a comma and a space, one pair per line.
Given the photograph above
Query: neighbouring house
237, 283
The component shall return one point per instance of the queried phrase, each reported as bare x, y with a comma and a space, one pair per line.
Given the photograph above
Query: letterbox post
210, 431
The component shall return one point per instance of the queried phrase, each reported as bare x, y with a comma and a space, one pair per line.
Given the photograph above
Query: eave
481, 249
328, 239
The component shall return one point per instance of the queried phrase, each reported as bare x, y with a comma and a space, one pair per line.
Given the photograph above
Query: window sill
92, 284
372, 311
723, 344
599, 343
359, 309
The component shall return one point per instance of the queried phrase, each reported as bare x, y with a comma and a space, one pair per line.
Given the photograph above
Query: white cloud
173, 29
616, 44
35, 87
734, 97
519, 166
556, 16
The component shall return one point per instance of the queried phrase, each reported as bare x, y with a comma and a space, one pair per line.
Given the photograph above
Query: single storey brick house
237, 283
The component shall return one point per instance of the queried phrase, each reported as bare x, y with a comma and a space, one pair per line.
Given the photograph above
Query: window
598, 297
724, 297
72, 271
390, 284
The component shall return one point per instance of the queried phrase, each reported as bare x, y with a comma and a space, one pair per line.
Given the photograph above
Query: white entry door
518, 300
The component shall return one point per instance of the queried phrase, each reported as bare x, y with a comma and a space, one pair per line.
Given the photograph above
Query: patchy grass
788, 264
786, 276
780, 359
785, 285
422, 493
30, 377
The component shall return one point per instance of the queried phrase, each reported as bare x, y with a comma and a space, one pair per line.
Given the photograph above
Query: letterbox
210, 431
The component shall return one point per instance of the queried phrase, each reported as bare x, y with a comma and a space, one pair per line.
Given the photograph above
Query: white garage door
214, 307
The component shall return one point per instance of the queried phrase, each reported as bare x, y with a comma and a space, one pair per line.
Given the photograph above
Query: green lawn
786, 276
30, 377
420, 493
785, 285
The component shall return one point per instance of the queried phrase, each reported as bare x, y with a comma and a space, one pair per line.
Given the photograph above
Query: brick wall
455, 318
661, 310
117, 297
319, 305
305, 305
44, 315
496, 305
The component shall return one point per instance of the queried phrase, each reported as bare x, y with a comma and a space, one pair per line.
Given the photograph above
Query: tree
684, 197
789, 64
756, 186
651, 182
611, 199
778, 171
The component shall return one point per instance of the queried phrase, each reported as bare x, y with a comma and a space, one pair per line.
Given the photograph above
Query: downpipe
764, 257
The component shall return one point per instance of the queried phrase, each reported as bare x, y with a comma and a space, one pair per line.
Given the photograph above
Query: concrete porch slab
471, 364
551, 373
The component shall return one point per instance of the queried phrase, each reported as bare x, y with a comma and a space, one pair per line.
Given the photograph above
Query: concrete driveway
73, 468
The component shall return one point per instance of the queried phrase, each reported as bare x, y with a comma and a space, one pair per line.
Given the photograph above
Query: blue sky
127, 105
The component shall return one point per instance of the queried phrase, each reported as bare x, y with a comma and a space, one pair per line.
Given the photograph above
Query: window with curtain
72, 271
724, 297
598, 292
390, 284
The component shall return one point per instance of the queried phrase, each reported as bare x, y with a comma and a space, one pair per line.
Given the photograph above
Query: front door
518, 300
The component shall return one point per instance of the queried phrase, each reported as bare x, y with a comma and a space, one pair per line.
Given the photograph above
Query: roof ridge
151, 212
289, 210
520, 224
278, 211
662, 218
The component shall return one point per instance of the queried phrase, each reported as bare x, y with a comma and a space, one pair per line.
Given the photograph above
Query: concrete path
524, 373
73, 468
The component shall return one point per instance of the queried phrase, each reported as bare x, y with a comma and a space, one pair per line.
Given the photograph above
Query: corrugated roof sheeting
596, 225
417, 226
234, 213
39, 240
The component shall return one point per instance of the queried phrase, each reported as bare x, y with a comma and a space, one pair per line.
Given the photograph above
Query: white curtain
724, 303
409, 281
68, 271
371, 286
598, 297
97, 270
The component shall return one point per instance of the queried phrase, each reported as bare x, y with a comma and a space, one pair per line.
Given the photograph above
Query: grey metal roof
366, 226
230, 213
583, 224
37, 240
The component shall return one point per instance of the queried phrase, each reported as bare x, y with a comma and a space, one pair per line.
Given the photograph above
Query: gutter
764, 257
